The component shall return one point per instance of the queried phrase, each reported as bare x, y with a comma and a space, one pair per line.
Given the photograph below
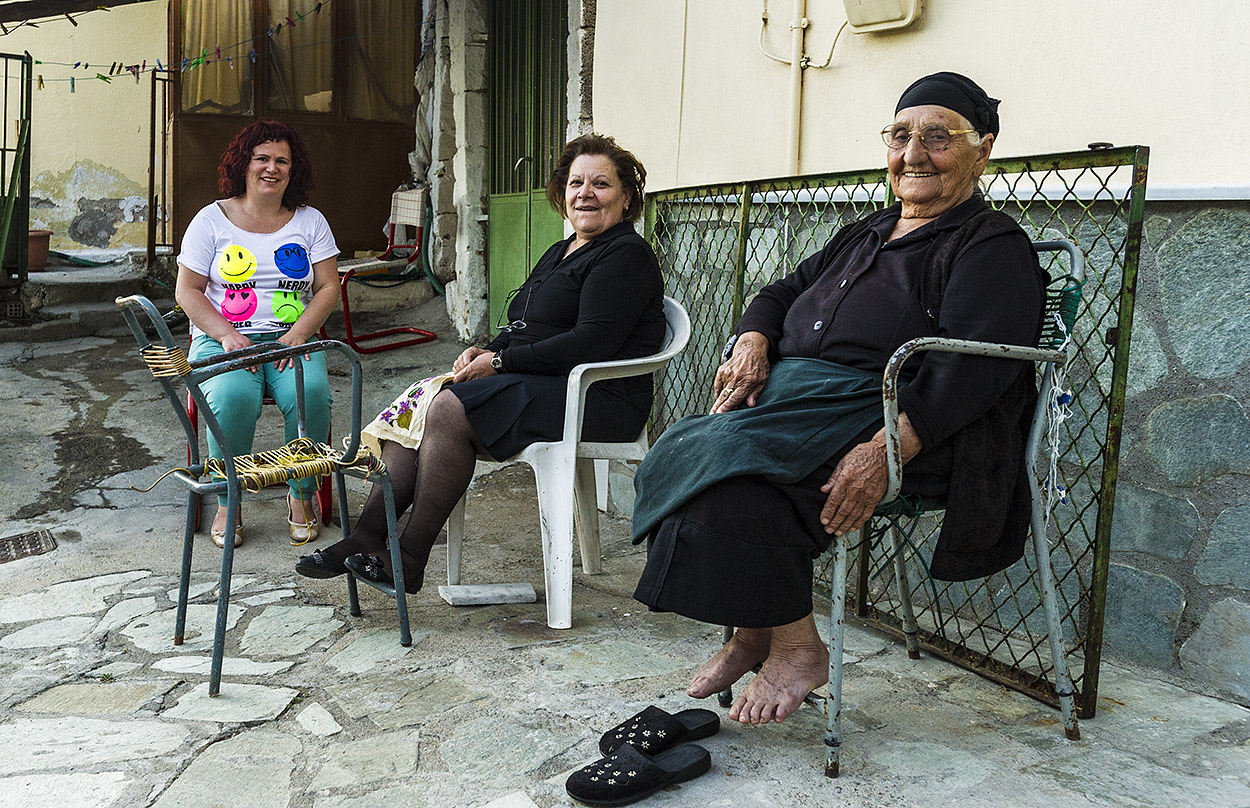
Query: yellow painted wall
90, 147
684, 84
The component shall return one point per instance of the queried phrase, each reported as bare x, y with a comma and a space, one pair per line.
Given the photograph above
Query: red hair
232, 173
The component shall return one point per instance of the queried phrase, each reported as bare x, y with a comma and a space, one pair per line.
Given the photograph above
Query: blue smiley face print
292, 260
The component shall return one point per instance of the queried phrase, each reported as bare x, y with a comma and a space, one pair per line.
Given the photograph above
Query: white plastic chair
565, 476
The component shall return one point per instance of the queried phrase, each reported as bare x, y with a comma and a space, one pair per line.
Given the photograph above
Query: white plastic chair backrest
676, 329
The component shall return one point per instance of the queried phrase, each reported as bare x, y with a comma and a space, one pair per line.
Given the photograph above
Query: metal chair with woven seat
299, 459
1063, 297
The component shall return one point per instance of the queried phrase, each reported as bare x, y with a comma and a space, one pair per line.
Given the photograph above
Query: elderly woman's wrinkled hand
741, 378
856, 486
462, 361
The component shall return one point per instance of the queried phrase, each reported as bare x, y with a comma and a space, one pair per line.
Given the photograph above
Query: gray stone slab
264, 598
490, 746
1148, 521
487, 594
430, 694
374, 696
123, 612
62, 790
517, 799
602, 662
235, 703
1121, 779
85, 596
1192, 439
389, 756
154, 633
76, 743
1219, 651
1203, 276
1143, 612
956, 768
114, 670
1226, 559
50, 633
317, 720
230, 666
288, 630
372, 648
406, 796
252, 769
95, 699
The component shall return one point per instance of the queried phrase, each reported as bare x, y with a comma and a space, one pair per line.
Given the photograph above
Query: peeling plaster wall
89, 147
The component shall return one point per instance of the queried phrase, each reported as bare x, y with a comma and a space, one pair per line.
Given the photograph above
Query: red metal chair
407, 208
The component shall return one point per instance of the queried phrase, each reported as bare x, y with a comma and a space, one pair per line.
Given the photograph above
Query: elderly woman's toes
780, 687
747, 648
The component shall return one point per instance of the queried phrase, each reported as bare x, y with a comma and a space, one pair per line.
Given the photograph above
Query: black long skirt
512, 410
739, 553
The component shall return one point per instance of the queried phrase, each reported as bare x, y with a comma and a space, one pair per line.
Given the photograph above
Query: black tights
429, 480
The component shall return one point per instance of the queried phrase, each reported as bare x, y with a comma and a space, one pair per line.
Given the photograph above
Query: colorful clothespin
76, 64
253, 56
158, 65
103, 78
290, 22
218, 49
41, 81
71, 84
73, 21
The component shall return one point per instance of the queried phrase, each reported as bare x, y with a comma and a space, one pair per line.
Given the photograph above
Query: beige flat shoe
306, 528
219, 536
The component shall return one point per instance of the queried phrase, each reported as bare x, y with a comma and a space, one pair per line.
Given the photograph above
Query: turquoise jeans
235, 399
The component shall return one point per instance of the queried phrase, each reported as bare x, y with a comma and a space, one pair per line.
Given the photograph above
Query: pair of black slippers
643, 754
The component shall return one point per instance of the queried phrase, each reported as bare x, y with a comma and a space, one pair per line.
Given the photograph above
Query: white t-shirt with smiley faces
259, 282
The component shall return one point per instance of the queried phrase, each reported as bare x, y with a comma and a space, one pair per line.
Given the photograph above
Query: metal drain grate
14, 310
36, 542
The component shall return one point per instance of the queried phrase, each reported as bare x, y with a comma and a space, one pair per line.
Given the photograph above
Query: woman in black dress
739, 502
594, 296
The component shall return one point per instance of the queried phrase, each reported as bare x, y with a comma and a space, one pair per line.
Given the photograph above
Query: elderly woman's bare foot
797, 664
747, 648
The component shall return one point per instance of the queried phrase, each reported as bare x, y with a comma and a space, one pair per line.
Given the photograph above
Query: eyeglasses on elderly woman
933, 137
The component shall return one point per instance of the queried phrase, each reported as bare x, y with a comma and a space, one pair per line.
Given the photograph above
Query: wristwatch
496, 361
729, 348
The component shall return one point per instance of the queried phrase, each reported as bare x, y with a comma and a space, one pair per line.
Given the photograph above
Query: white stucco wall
684, 83
92, 144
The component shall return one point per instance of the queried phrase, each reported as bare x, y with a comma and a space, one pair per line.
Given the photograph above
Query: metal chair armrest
889, 387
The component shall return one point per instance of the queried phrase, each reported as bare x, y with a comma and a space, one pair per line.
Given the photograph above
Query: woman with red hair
259, 265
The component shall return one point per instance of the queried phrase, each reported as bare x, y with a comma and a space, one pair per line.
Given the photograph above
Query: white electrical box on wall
880, 15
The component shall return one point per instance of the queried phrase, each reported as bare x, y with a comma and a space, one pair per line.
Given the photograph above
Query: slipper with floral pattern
653, 730
627, 775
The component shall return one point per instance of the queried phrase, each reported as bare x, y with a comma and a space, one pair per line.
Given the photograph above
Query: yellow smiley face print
236, 264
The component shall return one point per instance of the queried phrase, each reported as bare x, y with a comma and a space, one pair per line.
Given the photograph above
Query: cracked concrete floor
488, 707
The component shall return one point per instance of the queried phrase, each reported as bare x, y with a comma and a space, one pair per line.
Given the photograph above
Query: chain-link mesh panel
717, 246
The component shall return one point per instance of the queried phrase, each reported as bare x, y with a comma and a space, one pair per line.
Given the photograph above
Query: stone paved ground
488, 707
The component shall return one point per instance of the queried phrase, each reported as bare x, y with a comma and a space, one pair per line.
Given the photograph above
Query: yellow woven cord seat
297, 460
235, 475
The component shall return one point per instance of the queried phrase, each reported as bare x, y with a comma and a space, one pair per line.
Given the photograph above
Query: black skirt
512, 410
739, 553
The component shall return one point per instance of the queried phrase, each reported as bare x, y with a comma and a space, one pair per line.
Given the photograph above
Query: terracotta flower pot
37, 250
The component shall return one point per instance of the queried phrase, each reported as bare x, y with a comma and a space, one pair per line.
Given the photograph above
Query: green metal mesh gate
718, 244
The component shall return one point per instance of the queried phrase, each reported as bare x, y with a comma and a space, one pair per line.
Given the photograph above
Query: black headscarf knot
957, 93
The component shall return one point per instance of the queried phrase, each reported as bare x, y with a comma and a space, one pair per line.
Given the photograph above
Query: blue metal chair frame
167, 362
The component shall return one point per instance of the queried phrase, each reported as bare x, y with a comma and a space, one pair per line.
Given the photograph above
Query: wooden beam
23, 10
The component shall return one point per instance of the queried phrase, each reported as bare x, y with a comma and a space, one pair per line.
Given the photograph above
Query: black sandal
321, 564
370, 568
629, 774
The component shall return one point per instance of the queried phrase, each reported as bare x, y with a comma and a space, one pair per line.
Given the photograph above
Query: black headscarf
955, 92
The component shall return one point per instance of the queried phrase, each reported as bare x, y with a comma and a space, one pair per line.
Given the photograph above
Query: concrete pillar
466, 295
581, 60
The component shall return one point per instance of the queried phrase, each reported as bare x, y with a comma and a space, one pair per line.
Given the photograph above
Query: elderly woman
740, 501
259, 265
594, 296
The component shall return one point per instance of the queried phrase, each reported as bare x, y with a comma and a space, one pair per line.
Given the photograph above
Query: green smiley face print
287, 307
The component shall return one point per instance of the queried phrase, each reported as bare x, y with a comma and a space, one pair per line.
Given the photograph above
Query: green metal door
527, 68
